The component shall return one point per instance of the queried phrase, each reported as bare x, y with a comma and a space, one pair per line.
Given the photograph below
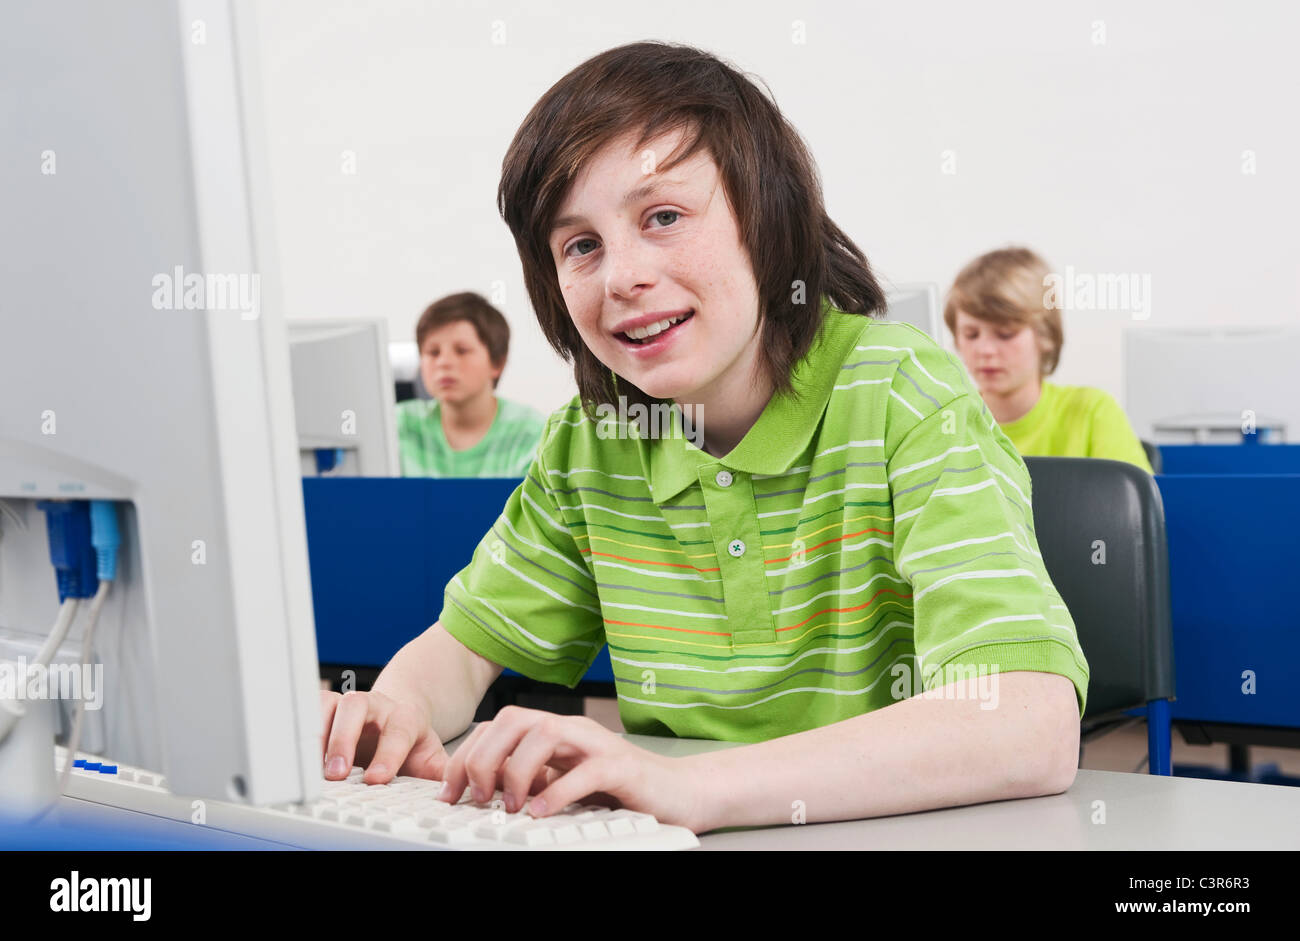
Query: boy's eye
674, 214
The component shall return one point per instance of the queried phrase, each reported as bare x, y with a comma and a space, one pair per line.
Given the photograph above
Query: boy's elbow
1061, 746
1061, 771
1044, 767
1050, 742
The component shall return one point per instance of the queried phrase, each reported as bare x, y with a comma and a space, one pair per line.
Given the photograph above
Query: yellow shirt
1076, 421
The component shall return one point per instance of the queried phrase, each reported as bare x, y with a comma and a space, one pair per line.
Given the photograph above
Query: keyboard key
621, 826
645, 823
565, 832
408, 781
390, 802
454, 835
498, 828
640, 823
534, 833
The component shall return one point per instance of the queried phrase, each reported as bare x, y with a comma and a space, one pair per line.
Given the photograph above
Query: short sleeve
964, 540
1111, 436
527, 600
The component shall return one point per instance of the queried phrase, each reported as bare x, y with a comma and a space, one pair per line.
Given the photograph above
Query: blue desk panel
383, 549
1234, 570
1230, 459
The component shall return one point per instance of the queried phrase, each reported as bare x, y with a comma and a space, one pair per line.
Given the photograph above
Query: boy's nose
629, 273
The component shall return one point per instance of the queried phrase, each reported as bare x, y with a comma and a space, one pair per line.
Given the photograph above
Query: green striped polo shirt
505, 451
871, 537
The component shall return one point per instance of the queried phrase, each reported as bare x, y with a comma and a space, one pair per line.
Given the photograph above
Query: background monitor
343, 396
917, 304
1199, 386
404, 358
145, 361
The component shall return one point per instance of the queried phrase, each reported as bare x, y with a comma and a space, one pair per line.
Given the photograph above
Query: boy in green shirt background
465, 429
1010, 339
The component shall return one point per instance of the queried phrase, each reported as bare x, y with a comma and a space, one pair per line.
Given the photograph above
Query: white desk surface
1142, 812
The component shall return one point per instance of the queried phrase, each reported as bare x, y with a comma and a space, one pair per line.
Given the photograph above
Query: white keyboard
403, 814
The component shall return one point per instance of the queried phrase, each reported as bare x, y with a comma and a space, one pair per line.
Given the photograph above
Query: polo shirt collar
785, 426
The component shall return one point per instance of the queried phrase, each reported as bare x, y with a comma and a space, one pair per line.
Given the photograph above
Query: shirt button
736, 548
723, 478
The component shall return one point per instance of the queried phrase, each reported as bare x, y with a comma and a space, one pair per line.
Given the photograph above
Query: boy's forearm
918, 754
441, 677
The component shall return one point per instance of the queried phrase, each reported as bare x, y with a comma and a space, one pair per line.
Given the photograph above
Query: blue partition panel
1234, 568
1230, 458
383, 549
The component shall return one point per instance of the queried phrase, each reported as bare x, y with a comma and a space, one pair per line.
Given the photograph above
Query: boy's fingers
542, 780
454, 775
428, 759
486, 766
329, 702
353, 710
588, 778
529, 759
396, 739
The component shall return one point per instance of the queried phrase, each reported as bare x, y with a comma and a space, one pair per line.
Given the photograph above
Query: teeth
640, 333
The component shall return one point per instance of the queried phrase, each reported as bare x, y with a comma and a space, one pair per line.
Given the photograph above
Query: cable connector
105, 537
71, 551
327, 459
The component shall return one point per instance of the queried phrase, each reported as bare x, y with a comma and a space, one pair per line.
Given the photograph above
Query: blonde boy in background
1010, 340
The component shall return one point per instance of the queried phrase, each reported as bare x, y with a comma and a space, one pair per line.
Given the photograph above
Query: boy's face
1001, 359
454, 363
623, 252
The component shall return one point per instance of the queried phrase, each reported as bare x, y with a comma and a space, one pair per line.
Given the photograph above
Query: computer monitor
145, 361
917, 304
1207, 385
343, 397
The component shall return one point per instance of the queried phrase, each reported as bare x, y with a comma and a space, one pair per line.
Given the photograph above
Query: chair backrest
1154, 457
1101, 528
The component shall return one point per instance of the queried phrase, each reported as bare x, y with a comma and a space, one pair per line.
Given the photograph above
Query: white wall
1118, 156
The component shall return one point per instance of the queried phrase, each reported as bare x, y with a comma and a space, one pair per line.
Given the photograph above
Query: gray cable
12, 712
74, 739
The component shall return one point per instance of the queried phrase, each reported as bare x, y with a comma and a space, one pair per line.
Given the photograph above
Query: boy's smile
651, 333
658, 283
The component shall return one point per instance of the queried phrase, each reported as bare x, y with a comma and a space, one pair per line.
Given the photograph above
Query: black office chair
1154, 457
1101, 529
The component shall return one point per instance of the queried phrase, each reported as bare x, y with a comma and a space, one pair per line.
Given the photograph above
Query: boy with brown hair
465, 429
823, 579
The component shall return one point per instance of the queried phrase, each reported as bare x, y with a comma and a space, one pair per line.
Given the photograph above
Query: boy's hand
567, 759
387, 737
